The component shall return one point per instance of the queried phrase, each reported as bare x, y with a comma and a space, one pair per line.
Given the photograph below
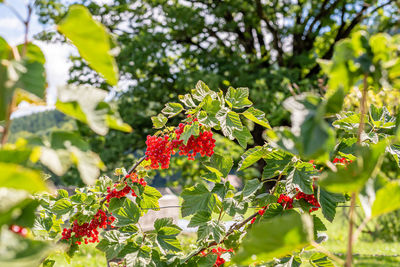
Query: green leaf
395, 151
318, 224
141, 256
335, 101
220, 165
301, 177
274, 209
5, 49
21, 252
277, 162
13, 203
257, 116
115, 204
88, 164
15, 155
150, 198
288, 234
348, 121
352, 177
208, 260
381, 118
187, 100
112, 243
128, 214
387, 199
18, 177
190, 130
243, 136
59, 138
99, 115
200, 218
32, 53
235, 205
238, 98
290, 261
320, 260
92, 41
62, 193
329, 202
201, 91
251, 187
317, 137
284, 139
229, 121
214, 228
166, 233
49, 263
33, 79
159, 121
172, 109
251, 156
212, 177
62, 206
197, 198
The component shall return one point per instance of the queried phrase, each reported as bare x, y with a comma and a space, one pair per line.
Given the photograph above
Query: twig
136, 164
131, 170
361, 227
349, 257
327, 252
276, 184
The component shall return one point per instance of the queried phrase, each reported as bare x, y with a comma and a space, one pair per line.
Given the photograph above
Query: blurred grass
87, 256
367, 252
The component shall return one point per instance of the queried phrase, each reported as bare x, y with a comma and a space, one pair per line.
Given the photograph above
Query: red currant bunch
115, 193
89, 230
309, 198
218, 251
203, 144
342, 160
286, 201
19, 230
159, 150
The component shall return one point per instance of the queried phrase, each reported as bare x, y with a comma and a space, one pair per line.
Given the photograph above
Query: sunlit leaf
92, 41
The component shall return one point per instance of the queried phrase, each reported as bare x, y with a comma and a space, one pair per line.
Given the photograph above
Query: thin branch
136, 164
349, 256
26, 23
327, 252
13, 10
131, 170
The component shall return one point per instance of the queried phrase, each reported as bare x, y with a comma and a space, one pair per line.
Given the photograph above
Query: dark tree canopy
269, 46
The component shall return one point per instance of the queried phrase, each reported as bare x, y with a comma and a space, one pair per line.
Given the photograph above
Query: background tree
269, 46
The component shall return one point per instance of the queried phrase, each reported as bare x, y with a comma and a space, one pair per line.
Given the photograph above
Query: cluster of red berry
342, 160
160, 149
218, 251
115, 193
309, 198
285, 201
88, 230
203, 144
19, 230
